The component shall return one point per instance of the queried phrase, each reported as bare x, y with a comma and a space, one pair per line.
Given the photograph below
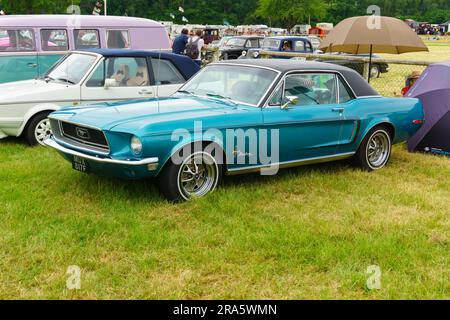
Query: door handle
340, 110
144, 91
32, 65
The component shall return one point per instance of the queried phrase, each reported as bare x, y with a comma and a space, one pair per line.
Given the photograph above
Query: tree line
276, 13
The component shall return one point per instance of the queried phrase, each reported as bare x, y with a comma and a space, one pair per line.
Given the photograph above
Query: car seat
141, 78
122, 74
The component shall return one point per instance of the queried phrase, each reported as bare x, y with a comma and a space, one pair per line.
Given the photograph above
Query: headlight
244, 53
136, 145
255, 55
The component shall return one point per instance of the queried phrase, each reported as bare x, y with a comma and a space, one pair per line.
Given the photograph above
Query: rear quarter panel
371, 112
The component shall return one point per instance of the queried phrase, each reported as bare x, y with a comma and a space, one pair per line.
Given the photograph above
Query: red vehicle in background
210, 35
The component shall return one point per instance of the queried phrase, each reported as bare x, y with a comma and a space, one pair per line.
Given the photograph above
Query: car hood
134, 116
35, 91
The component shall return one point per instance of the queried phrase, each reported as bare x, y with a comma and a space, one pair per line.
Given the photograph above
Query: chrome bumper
52, 143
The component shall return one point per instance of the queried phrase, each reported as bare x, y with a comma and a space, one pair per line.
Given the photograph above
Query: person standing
179, 44
194, 47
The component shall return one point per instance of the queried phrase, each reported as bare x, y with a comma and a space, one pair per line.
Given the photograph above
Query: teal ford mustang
237, 117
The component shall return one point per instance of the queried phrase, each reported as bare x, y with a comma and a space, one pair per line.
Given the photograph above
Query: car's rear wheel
198, 175
38, 129
375, 72
375, 150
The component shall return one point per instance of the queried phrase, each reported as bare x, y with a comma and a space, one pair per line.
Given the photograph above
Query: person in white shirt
200, 43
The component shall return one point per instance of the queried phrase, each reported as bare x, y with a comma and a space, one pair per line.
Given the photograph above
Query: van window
166, 73
54, 40
86, 39
16, 40
118, 39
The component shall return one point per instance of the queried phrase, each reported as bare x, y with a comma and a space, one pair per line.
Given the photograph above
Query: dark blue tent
433, 89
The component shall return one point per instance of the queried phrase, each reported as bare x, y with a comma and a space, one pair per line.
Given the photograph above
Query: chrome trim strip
82, 148
293, 163
53, 144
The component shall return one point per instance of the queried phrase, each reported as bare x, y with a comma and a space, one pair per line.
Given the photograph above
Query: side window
311, 88
166, 73
118, 39
86, 39
98, 76
128, 72
299, 46
254, 43
54, 40
344, 93
277, 98
16, 40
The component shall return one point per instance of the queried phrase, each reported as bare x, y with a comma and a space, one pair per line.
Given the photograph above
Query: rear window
54, 40
86, 39
118, 39
17, 40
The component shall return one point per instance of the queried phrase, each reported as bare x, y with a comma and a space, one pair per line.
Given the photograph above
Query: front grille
80, 136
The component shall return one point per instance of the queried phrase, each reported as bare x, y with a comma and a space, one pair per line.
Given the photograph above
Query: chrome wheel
42, 131
378, 149
198, 175
374, 72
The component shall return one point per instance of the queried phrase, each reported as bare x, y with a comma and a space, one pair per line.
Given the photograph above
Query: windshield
236, 42
72, 68
242, 84
271, 43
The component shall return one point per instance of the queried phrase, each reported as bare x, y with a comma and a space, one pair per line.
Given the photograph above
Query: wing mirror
288, 100
110, 83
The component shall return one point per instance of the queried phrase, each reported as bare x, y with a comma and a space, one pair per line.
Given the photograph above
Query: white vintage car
88, 77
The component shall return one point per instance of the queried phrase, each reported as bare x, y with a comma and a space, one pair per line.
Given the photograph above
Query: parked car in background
93, 77
210, 35
31, 44
315, 41
307, 112
376, 70
281, 44
235, 46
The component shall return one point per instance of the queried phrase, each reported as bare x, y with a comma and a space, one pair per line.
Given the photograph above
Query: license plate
80, 164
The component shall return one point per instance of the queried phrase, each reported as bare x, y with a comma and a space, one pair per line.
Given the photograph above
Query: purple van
31, 44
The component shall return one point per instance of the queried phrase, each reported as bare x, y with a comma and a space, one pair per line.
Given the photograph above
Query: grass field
309, 233
391, 83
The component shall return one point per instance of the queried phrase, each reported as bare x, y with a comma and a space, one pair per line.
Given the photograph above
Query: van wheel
38, 129
198, 175
375, 150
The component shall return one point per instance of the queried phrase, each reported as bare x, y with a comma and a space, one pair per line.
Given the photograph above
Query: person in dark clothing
179, 44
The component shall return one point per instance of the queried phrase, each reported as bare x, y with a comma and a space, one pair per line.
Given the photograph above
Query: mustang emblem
83, 133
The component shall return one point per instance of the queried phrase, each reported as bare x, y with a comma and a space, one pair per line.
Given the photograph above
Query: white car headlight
136, 145
244, 53
255, 55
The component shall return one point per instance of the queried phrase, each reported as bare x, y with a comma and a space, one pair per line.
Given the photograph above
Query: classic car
237, 117
375, 71
95, 76
236, 46
281, 44
31, 44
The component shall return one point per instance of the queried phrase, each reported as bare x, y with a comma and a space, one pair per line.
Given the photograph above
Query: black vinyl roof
360, 86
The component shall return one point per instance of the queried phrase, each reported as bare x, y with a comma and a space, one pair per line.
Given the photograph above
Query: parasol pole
106, 7
370, 61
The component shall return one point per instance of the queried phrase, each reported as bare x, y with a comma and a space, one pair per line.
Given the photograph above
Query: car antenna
157, 78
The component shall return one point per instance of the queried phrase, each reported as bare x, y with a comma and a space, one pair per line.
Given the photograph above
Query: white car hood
36, 91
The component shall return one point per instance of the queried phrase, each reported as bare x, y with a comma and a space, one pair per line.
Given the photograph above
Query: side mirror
288, 101
110, 83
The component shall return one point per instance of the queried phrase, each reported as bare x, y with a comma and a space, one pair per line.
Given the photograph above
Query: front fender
189, 138
34, 111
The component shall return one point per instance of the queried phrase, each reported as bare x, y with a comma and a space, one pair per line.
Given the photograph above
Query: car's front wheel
38, 129
375, 150
375, 72
198, 175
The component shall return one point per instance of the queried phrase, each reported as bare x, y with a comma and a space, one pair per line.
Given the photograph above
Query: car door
166, 78
311, 126
117, 79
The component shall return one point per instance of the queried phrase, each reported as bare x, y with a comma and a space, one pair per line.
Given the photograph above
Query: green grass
391, 83
309, 233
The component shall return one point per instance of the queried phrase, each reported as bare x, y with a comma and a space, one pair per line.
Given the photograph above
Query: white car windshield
236, 42
72, 68
241, 84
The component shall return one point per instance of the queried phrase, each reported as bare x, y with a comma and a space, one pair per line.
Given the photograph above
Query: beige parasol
372, 34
